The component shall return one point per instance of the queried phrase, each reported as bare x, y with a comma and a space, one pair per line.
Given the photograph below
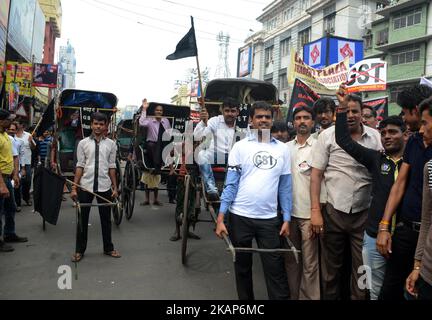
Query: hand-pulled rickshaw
245, 92
140, 162
73, 123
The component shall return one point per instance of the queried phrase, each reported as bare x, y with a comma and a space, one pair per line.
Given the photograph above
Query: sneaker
18, 209
14, 238
5, 247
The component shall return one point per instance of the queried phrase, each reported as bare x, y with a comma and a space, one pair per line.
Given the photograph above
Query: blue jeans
7, 208
377, 263
205, 160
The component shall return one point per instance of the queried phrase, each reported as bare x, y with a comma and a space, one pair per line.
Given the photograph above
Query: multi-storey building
289, 24
403, 37
67, 63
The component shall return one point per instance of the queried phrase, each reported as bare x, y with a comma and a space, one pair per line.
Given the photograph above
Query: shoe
145, 203
14, 238
18, 209
172, 201
157, 203
5, 247
175, 237
213, 196
28, 203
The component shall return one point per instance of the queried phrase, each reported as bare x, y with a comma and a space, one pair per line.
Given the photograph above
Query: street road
150, 267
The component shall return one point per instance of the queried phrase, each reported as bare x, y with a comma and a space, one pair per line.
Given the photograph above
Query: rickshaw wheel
129, 178
117, 211
185, 220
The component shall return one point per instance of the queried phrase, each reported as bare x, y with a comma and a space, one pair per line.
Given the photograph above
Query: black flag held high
186, 47
47, 119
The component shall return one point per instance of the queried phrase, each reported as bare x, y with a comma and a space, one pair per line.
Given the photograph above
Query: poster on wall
245, 62
20, 74
380, 105
45, 75
20, 30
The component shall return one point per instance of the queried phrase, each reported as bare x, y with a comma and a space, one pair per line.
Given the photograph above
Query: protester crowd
352, 192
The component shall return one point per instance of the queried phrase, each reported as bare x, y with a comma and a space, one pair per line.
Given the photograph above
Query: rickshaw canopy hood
73, 97
239, 89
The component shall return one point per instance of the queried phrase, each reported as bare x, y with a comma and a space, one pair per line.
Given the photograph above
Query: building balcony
397, 5
389, 46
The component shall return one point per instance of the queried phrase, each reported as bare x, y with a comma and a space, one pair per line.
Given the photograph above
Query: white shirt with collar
301, 168
216, 129
86, 155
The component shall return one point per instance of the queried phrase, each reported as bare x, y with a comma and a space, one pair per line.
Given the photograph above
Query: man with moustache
303, 277
369, 116
258, 162
384, 169
348, 185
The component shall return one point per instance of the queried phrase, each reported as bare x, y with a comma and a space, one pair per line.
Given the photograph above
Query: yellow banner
323, 81
21, 74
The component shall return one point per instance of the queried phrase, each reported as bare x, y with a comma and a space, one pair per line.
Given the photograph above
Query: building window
406, 55
329, 23
304, 4
303, 37
283, 82
287, 14
368, 42
407, 19
382, 37
268, 56
271, 24
394, 92
285, 47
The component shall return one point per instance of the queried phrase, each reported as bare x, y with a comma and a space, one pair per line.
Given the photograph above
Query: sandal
77, 257
157, 203
113, 254
145, 203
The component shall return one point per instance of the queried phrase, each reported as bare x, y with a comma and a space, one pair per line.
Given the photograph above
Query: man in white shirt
95, 172
25, 161
259, 170
303, 277
220, 130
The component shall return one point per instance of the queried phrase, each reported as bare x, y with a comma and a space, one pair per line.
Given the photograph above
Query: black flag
47, 119
186, 47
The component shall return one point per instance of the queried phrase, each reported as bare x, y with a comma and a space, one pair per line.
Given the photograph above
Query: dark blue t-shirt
416, 155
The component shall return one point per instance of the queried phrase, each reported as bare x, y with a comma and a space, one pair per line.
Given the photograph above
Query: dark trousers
7, 208
400, 263
105, 218
172, 186
342, 232
424, 289
155, 155
26, 183
266, 233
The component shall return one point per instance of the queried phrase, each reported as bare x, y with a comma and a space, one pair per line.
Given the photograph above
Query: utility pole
222, 70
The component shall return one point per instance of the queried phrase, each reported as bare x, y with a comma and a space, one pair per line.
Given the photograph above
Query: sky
121, 45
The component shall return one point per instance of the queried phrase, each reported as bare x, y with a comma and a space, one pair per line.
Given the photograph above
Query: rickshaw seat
67, 140
219, 169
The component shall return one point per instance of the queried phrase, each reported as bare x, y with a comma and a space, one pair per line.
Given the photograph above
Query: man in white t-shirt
259, 170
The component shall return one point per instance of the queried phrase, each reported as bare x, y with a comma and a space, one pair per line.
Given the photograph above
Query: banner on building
38, 34
245, 62
21, 22
368, 75
380, 105
331, 50
45, 75
21, 75
322, 81
301, 96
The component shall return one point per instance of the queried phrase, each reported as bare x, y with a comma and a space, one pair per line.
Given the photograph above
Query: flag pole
201, 99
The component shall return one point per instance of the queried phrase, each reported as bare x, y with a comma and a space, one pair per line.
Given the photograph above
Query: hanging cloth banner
323, 81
